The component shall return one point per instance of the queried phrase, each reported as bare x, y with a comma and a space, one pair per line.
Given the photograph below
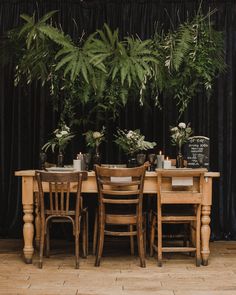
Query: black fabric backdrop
27, 118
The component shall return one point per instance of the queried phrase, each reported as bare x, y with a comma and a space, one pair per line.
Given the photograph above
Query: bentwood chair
120, 206
178, 205
58, 203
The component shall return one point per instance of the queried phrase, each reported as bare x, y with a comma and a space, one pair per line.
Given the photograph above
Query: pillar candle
80, 157
160, 160
77, 164
167, 163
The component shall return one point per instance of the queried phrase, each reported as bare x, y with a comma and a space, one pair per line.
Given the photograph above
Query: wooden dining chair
178, 204
57, 202
120, 193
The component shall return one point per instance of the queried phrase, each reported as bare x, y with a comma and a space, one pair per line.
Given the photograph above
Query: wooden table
29, 188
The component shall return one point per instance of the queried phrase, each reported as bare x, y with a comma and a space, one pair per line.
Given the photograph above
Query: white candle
167, 163
160, 160
80, 157
77, 164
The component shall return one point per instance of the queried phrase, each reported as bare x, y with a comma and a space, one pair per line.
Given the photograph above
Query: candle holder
141, 159
151, 159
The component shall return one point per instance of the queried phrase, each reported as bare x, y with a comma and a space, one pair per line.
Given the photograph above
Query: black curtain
27, 117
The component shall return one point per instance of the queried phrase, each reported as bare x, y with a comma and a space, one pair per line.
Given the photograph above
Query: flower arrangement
94, 138
132, 142
59, 141
180, 134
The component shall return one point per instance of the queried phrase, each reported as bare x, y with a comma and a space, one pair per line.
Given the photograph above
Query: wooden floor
119, 273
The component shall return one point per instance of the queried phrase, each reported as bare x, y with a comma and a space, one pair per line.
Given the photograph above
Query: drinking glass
152, 159
87, 160
141, 159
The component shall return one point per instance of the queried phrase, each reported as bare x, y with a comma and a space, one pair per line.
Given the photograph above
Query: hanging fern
194, 56
99, 73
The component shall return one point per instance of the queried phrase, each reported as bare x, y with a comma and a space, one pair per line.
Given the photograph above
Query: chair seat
61, 214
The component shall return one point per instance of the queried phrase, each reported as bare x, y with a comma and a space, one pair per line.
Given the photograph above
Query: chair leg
41, 247
84, 234
131, 240
159, 240
141, 245
95, 233
186, 235
48, 241
87, 233
198, 243
100, 240
152, 232
145, 236
100, 246
76, 249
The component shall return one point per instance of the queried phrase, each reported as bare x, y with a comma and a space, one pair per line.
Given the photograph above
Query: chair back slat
130, 181
50, 196
60, 196
180, 194
68, 198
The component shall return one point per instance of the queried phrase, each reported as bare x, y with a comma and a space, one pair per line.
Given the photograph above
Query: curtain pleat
27, 117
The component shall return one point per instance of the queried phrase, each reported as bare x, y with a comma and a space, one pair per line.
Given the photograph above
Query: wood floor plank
119, 273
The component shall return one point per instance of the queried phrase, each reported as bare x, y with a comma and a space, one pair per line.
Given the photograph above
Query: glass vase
132, 161
97, 157
179, 158
43, 159
60, 159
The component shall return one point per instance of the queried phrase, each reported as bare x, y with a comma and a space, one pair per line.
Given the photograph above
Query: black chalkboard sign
197, 150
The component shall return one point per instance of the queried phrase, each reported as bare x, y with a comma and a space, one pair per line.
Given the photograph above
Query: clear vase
60, 159
179, 158
97, 157
43, 159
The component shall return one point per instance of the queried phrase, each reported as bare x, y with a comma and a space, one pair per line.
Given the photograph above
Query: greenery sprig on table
61, 137
180, 134
132, 141
94, 138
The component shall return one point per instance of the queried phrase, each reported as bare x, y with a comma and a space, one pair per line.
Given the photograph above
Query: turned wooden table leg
37, 221
28, 232
205, 233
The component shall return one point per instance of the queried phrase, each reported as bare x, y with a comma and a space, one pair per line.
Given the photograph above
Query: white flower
66, 128
182, 125
97, 135
129, 134
58, 135
174, 129
64, 132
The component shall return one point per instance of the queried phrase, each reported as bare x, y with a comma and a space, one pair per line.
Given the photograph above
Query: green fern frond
182, 46
56, 36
